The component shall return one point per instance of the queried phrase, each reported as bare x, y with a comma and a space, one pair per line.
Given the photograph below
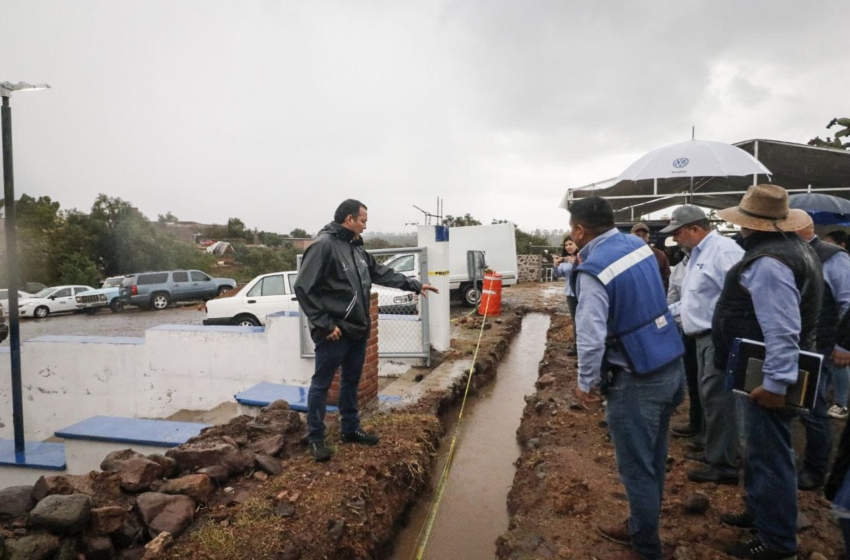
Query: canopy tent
797, 167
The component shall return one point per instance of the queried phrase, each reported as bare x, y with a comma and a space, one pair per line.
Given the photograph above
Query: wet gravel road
130, 322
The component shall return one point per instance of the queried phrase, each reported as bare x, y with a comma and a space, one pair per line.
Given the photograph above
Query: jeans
818, 427
695, 413
770, 479
841, 385
330, 355
845, 532
719, 411
572, 303
638, 414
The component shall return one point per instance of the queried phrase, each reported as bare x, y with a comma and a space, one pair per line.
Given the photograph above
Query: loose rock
217, 473
196, 486
64, 515
67, 550
112, 460
697, 504
272, 445
15, 501
158, 546
108, 519
169, 465
137, 475
545, 381
99, 548
35, 547
336, 527
194, 456
165, 513
269, 464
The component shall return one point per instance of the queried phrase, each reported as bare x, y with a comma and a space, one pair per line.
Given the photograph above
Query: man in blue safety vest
629, 348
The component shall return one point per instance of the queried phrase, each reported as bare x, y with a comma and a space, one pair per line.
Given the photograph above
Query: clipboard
744, 373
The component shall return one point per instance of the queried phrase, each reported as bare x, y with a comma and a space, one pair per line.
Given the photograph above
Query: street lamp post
6, 90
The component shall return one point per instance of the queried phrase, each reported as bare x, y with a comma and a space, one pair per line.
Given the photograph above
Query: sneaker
696, 456
757, 550
838, 412
320, 451
359, 436
683, 430
741, 520
709, 474
617, 532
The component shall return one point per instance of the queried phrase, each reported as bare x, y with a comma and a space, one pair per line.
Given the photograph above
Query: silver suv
158, 290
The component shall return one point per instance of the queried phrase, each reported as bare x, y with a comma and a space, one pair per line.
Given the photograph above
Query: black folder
744, 372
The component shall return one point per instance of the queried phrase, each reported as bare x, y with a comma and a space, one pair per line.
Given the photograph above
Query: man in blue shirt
836, 302
712, 255
772, 295
629, 348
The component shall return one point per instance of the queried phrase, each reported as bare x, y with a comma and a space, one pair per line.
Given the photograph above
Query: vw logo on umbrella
681, 162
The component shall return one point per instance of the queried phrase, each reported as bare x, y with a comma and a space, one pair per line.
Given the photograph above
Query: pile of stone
136, 505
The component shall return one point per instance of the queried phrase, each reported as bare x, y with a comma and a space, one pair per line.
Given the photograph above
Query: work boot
757, 550
807, 480
710, 474
359, 436
697, 456
320, 451
616, 532
741, 520
628, 554
683, 430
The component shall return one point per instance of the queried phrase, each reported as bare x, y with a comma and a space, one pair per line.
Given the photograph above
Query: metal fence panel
402, 316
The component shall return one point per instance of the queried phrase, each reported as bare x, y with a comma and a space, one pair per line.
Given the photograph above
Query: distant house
184, 231
220, 249
300, 243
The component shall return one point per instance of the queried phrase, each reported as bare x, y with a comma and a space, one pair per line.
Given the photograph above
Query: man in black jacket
333, 289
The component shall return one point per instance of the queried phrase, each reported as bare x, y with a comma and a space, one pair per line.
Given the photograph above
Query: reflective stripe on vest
624, 263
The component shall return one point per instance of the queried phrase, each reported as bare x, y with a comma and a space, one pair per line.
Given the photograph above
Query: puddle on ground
473, 511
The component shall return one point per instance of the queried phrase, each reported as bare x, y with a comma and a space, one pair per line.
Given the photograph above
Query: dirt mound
348, 508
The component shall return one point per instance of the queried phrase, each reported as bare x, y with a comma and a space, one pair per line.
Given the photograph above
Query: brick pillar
368, 389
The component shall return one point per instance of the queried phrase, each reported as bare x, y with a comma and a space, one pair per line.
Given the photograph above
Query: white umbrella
694, 158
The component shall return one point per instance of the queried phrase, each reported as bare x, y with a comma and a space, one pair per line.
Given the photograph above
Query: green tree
299, 233
236, 230
459, 221
168, 218
263, 260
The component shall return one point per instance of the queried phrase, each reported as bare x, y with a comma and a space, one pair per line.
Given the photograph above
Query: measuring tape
425, 533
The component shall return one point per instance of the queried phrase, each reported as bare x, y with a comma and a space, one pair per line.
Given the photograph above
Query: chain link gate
402, 316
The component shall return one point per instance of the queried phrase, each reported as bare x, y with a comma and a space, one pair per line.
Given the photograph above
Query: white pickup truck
496, 241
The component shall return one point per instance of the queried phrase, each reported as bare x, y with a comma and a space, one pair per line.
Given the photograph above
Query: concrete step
251, 400
38, 459
254, 398
89, 441
406, 389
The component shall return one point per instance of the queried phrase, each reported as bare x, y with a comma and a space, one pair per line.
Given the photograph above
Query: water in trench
473, 511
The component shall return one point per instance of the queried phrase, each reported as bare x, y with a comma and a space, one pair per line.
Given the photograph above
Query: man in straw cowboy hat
772, 295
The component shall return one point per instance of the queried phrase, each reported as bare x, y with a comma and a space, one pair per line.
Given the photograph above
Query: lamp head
7, 88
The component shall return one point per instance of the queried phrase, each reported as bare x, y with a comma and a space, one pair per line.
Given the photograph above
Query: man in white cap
772, 295
711, 257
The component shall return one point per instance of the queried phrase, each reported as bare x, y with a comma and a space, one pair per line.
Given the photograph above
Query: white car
272, 293
58, 299
264, 295
4, 297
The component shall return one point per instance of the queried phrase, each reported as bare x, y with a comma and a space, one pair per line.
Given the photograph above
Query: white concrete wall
68, 379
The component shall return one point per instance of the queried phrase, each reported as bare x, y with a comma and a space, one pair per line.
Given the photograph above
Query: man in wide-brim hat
772, 295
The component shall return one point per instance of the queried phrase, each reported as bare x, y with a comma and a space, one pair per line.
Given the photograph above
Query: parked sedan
4, 297
273, 293
264, 295
58, 299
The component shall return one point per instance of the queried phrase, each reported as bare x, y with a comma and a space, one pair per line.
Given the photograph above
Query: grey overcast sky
275, 111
